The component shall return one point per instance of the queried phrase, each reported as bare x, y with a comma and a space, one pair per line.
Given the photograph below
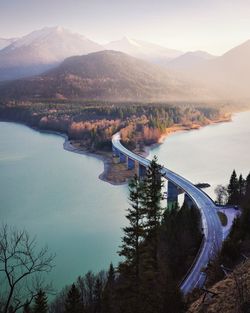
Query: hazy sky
214, 26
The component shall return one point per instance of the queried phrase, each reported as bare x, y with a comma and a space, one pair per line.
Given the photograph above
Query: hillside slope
190, 59
105, 75
231, 294
228, 74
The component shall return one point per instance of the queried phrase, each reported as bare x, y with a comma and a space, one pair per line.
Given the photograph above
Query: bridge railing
165, 171
182, 282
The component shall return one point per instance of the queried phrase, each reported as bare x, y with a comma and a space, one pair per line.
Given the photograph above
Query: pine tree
233, 189
245, 203
134, 233
247, 191
151, 203
108, 303
98, 296
73, 301
150, 285
130, 249
241, 184
41, 305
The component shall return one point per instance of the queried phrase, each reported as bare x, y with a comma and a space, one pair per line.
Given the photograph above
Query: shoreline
178, 127
107, 161
68, 146
181, 128
106, 158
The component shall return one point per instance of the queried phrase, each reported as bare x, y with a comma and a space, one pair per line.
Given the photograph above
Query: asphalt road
210, 221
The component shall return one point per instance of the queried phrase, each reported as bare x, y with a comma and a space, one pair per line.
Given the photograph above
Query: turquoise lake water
209, 154
56, 194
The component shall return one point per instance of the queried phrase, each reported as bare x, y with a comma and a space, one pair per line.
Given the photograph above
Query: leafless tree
221, 194
22, 266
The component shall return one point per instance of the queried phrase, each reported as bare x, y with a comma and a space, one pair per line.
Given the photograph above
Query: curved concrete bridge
212, 230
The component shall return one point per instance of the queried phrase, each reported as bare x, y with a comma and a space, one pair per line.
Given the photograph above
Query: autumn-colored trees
93, 123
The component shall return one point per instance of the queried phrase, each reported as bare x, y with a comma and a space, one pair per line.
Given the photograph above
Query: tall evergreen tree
233, 189
151, 290
134, 232
73, 301
151, 203
130, 249
241, 184
108, 303
98, 296
41, 303
247, 190
245, 203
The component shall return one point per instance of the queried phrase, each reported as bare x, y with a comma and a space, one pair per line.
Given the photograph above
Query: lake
56, 194
209, 154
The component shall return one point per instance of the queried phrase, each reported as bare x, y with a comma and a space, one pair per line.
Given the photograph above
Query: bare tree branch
20, 262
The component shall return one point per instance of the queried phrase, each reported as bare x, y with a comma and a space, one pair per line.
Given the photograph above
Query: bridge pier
115, 152
172, 198
123, 158
188, 201
130, 164
142, 170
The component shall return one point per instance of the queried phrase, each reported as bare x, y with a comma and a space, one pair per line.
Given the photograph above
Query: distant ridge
143, 50
4, 42
229, 73
190, 59
105, 75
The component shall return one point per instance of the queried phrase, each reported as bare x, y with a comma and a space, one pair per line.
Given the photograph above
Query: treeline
158, 247
237, 245
238, 242
93, 123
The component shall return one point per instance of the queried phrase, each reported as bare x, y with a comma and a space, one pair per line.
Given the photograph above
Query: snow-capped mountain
143, 50
4, 42
41, 50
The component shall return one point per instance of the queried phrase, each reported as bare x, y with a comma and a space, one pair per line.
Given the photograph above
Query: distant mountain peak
5, 42
104, 75
42, 49
142, 49
130, 41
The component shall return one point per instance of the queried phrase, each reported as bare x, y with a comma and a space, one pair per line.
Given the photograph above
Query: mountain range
143, 50
189, 60
4, 42
228, 74
104, 75
41, 51
46, 48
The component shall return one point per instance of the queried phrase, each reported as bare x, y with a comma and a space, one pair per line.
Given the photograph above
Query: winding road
211, 225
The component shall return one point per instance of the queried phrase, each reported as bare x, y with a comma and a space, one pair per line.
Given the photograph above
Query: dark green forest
236, 248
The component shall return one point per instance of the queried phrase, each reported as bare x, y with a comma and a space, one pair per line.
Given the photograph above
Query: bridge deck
210, 221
